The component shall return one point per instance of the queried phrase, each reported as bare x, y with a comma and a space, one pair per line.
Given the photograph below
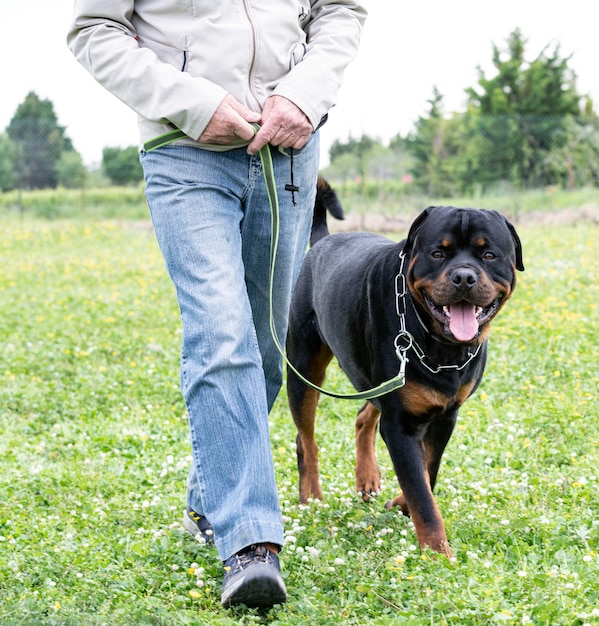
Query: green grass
94, 456
388, 198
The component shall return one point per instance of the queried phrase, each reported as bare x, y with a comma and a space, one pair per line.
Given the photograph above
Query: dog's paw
368, 481
399, 501
368, 495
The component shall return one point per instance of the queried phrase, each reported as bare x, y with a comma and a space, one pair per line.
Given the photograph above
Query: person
224, 79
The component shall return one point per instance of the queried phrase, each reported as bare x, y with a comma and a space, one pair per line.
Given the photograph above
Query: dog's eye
438, 254
489, 256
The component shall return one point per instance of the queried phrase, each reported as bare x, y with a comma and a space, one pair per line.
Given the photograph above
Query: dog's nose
464, 277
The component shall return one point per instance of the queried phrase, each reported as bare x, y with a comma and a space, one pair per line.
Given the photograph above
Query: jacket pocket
167, 54
304, 11
297, 54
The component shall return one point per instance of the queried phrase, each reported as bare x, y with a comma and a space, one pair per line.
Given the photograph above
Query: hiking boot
253, 578
198, 526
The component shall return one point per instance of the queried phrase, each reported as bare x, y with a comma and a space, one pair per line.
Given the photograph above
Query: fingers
283, 124
231, 121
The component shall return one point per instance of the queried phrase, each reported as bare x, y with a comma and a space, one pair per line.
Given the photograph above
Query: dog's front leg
407, 453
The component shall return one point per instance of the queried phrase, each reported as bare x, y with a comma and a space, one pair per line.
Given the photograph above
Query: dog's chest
426, 402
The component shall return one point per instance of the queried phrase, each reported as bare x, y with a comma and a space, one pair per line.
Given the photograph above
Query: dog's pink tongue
462, 323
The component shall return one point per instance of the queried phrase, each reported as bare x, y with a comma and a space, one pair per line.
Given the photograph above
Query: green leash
269, 180
386, 387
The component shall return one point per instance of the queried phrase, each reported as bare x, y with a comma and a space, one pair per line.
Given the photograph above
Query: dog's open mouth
463, 319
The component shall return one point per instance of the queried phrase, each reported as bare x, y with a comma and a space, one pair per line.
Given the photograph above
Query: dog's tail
326, 200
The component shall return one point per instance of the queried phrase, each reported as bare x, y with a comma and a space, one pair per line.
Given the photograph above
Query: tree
436, 144
352, 146
39, 142
122, 165
518, 115
8, 176
576, 162
70, 170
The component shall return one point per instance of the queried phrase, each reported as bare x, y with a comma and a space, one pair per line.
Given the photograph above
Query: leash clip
402, 350
403, 361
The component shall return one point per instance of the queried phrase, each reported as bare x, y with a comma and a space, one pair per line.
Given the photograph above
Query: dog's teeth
447, 311
479, 310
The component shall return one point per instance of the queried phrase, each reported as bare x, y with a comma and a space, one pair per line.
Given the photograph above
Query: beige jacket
174, 61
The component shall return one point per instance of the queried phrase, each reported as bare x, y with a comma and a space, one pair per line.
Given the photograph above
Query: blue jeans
212, 220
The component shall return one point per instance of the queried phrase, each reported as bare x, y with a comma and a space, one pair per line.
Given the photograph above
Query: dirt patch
585, 214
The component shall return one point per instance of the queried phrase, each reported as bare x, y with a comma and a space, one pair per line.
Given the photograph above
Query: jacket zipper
248, 13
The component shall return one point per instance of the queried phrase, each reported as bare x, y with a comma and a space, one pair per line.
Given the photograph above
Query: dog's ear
517, 245
414, 229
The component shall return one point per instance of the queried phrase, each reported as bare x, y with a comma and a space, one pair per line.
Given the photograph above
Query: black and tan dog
459, 267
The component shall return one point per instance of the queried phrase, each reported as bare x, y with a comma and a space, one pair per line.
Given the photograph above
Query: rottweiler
371, 302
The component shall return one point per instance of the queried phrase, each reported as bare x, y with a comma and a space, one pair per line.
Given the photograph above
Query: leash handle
273, 199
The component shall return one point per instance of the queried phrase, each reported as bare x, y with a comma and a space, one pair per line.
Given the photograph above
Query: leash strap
273, 200
386, 387
163, 140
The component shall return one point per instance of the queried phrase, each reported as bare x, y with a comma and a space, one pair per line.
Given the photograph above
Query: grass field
94, 455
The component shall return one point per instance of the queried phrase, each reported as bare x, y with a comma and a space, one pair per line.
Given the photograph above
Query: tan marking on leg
368, 475
307, 448
430, 533
399, 501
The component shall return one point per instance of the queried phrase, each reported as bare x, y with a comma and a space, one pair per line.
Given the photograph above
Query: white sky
407, 47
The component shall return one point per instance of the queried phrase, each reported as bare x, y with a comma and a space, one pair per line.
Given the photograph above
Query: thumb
244, 128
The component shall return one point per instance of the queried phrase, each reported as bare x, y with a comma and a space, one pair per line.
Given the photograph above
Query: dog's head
462, 269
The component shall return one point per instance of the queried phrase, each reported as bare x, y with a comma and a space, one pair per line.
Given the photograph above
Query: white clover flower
339, 561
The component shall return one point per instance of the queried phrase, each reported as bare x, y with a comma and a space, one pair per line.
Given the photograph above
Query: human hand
282, 124
231, 121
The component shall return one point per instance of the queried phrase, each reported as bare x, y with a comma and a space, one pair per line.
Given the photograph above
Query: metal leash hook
401, 351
